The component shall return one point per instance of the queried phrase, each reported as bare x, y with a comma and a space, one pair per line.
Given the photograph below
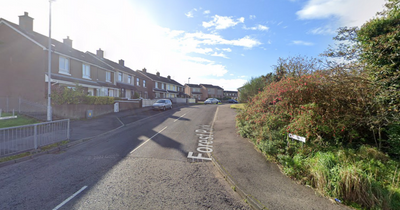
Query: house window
156, 84
168, 87
130, 79
119, 76
162, 85
137, 82
63, 65
108, 76
85, 71
144, 83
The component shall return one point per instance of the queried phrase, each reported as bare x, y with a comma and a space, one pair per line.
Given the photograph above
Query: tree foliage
251, 88
380, 42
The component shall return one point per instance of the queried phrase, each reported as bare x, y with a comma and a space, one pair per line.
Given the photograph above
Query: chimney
169, 77
144, 70
158, 74
121, 62
100, 53
67, 42
26, 22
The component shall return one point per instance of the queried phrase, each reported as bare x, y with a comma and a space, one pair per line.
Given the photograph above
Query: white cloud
251, 17
222, 22
194, 40
326, 30
298, 42
219, 55
227, 49
257, 27
206, 12
190, 13
346, 12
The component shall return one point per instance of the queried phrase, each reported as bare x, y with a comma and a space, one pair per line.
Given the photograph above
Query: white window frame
129, 79
63, 69
108, 76
156, 84
137, 82
144, 83
120, 76
85, 71
162, 85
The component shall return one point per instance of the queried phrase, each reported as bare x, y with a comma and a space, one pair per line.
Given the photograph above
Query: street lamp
49, 111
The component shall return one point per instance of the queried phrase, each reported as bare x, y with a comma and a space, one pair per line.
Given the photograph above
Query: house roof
211, 86
228, 91
57, 47
159, 78
193, 85
113, 64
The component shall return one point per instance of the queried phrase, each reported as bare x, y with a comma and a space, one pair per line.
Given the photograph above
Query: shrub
77, 95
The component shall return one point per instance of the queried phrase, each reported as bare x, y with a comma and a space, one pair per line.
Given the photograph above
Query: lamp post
49, 111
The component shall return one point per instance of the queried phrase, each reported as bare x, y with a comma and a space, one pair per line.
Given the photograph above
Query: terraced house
211, 91
163, 87
24, 64
127, 81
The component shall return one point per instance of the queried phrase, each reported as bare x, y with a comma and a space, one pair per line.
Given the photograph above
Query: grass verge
20, 120
238, 106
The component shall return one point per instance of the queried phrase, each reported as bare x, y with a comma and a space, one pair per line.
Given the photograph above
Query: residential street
145, 165
118, 174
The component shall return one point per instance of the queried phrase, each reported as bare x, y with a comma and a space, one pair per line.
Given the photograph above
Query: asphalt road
141, 166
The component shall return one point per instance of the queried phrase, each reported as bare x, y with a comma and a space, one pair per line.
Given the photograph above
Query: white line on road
180, 117
148, 139
70, 198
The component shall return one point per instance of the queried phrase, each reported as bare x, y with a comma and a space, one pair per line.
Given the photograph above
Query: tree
296, 66
251, 88
380, 42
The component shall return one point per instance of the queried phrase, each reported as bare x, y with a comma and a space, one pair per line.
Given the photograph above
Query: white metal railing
28, 137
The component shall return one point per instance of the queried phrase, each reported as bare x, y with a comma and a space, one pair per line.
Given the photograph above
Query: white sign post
298, 138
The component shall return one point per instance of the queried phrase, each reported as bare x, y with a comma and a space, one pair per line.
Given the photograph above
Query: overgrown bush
342, 159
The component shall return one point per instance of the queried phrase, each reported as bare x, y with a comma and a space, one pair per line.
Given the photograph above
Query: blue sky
219, 42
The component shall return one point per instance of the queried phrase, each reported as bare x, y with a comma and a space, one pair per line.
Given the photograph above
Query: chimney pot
169, 77
121, 62
158, 73
100, 53
144, 70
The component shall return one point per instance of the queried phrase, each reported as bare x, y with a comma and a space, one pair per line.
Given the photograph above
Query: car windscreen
160, 101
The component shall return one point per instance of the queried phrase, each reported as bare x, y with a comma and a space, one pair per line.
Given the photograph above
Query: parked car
162, 104
212, 101
232, 101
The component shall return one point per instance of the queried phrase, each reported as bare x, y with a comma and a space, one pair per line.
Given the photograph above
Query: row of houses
24, 66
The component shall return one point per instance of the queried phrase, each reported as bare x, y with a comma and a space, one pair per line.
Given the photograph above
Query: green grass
14, 157
20, 120
238, 106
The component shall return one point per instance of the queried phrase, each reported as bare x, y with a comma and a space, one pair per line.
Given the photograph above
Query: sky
219, 42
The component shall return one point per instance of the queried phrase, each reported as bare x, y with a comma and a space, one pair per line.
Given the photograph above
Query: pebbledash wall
78, 111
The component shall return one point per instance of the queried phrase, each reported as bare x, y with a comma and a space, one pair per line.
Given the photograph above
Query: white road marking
70, 198
180, 117
148, 139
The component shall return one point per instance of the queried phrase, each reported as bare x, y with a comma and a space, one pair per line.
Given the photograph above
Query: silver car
211, 101
162, 104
